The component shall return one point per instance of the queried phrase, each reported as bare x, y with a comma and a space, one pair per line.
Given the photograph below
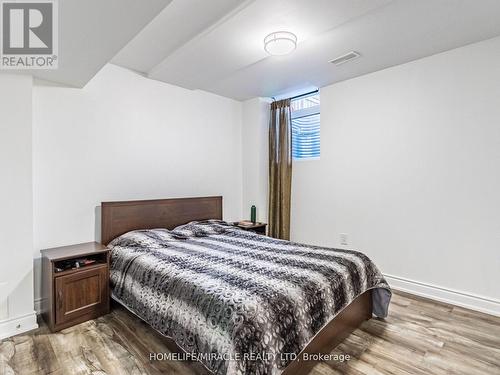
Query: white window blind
306, 127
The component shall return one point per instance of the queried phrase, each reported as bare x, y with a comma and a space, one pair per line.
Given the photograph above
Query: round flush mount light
280, 43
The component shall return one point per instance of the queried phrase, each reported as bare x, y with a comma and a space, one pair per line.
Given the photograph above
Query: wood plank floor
419, 337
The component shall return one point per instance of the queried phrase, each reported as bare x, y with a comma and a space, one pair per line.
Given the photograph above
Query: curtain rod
306, 94
298, 96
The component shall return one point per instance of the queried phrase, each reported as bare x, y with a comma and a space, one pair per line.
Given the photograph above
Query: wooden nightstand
72, 294
259, 228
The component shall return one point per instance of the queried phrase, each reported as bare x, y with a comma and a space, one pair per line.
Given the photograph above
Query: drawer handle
59, 299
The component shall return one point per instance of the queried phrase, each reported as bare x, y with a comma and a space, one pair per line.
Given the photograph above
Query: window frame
305, 112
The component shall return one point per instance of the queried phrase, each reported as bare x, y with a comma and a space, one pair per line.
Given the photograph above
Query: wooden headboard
118, 218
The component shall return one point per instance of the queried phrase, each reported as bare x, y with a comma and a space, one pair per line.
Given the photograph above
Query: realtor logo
28, 34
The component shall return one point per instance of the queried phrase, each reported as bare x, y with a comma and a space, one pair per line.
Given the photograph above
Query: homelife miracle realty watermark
29, 34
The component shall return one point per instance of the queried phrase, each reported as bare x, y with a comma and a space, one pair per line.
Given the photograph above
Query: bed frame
118, 218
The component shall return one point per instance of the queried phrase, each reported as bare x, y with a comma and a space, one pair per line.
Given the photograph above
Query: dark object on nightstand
259, 228
253, 214
75, 284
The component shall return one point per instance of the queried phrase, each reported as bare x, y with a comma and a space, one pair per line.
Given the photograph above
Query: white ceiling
171, 29
217, 45
91, 32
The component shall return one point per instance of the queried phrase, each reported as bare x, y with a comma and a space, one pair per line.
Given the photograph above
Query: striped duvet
224, 294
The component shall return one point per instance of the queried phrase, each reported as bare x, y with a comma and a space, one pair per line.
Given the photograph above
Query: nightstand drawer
81, 295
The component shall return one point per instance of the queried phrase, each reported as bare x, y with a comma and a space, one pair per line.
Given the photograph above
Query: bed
238, 302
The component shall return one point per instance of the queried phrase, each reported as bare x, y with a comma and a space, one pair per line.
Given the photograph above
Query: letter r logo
27, 28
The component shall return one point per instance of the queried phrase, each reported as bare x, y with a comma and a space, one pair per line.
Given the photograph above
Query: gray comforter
223, 293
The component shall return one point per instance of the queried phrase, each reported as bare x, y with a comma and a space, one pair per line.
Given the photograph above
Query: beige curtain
280, 169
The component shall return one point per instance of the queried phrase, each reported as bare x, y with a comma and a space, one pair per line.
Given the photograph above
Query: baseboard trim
38, 305
453, 297
15, 326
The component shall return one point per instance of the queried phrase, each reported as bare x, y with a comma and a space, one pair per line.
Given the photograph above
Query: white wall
255, 157
126, 137
409, 164
16, 202
410, 170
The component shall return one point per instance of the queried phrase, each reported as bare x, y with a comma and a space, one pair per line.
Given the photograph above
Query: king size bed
238, 302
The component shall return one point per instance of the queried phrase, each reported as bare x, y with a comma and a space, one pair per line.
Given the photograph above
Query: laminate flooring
419, 337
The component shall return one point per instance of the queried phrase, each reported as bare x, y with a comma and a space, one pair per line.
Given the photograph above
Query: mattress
238, 302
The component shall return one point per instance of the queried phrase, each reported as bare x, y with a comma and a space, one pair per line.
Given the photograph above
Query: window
306, 127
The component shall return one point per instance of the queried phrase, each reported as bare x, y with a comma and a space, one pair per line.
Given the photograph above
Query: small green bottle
253, 214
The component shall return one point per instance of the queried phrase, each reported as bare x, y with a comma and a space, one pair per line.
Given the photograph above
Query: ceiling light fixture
280, 43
